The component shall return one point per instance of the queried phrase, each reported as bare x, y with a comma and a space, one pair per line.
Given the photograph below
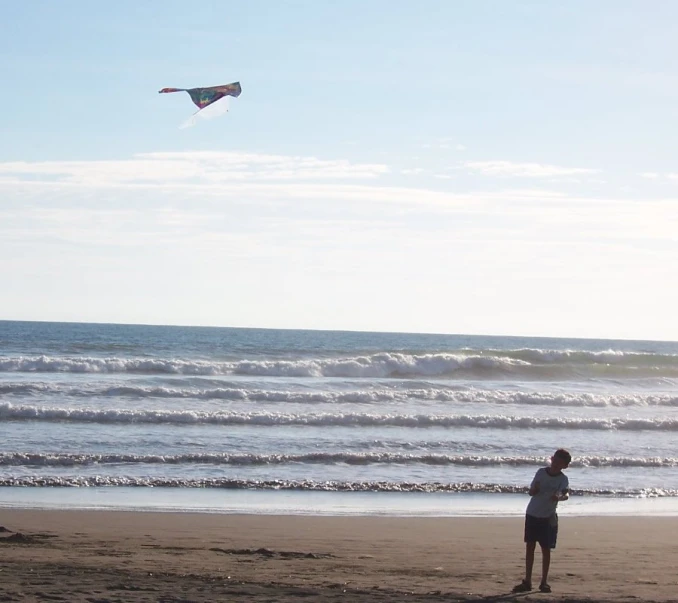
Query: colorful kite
204, 97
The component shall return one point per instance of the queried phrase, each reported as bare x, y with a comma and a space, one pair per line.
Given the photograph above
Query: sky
444, 166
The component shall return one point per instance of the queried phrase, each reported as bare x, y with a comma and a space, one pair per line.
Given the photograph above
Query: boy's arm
534, 486
564, 492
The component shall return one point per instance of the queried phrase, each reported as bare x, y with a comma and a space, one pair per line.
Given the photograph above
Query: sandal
544, 588
523, 587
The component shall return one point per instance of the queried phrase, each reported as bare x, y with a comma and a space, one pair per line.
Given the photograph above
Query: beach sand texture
102, 556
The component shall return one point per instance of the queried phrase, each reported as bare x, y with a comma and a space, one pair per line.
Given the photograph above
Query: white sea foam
312, 485
17, 459
529, 363
9, 411
377, 365
609, 356
374, 395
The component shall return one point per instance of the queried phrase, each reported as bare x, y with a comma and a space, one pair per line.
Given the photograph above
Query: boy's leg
526, 584
529, 560
545, 563
530, 545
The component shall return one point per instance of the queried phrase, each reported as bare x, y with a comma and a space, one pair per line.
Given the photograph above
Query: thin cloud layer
523, 170
191, 166
195, 187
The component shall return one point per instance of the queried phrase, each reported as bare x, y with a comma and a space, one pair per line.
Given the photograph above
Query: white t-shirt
540, 504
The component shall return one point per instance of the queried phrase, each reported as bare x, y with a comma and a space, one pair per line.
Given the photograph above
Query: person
549, 487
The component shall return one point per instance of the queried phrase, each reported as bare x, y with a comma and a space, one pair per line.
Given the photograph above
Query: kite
204, 97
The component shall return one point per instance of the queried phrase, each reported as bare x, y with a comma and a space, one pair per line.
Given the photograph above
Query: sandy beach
102, 556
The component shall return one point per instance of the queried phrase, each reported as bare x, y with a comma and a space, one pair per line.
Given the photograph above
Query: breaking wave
16, 459
528, 363
311, 485
364, 396
37, 413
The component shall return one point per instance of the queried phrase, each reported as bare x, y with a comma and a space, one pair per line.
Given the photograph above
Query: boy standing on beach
549, 486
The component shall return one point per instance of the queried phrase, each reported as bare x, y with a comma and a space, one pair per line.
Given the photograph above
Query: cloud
200, 190
180, 178
191, 166
443, 143
658, 175
523, 170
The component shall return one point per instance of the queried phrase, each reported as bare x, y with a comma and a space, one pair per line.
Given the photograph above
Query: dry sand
101, 556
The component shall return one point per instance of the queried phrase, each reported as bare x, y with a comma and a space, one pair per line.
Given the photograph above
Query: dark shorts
543, 530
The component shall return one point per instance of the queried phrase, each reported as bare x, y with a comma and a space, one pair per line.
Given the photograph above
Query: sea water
322, 422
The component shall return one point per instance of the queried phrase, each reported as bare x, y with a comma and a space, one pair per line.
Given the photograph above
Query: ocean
328, 422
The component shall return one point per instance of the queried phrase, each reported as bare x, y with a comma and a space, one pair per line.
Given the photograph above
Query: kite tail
215, 109
165, 90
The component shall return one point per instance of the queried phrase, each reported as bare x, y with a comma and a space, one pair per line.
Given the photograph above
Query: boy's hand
560, 496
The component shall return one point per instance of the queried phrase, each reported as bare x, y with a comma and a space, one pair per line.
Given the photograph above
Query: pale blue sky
498, 167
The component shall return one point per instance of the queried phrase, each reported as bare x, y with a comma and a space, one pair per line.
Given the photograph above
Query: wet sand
104, 556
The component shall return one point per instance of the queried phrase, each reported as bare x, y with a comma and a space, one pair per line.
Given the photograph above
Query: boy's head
561, 459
